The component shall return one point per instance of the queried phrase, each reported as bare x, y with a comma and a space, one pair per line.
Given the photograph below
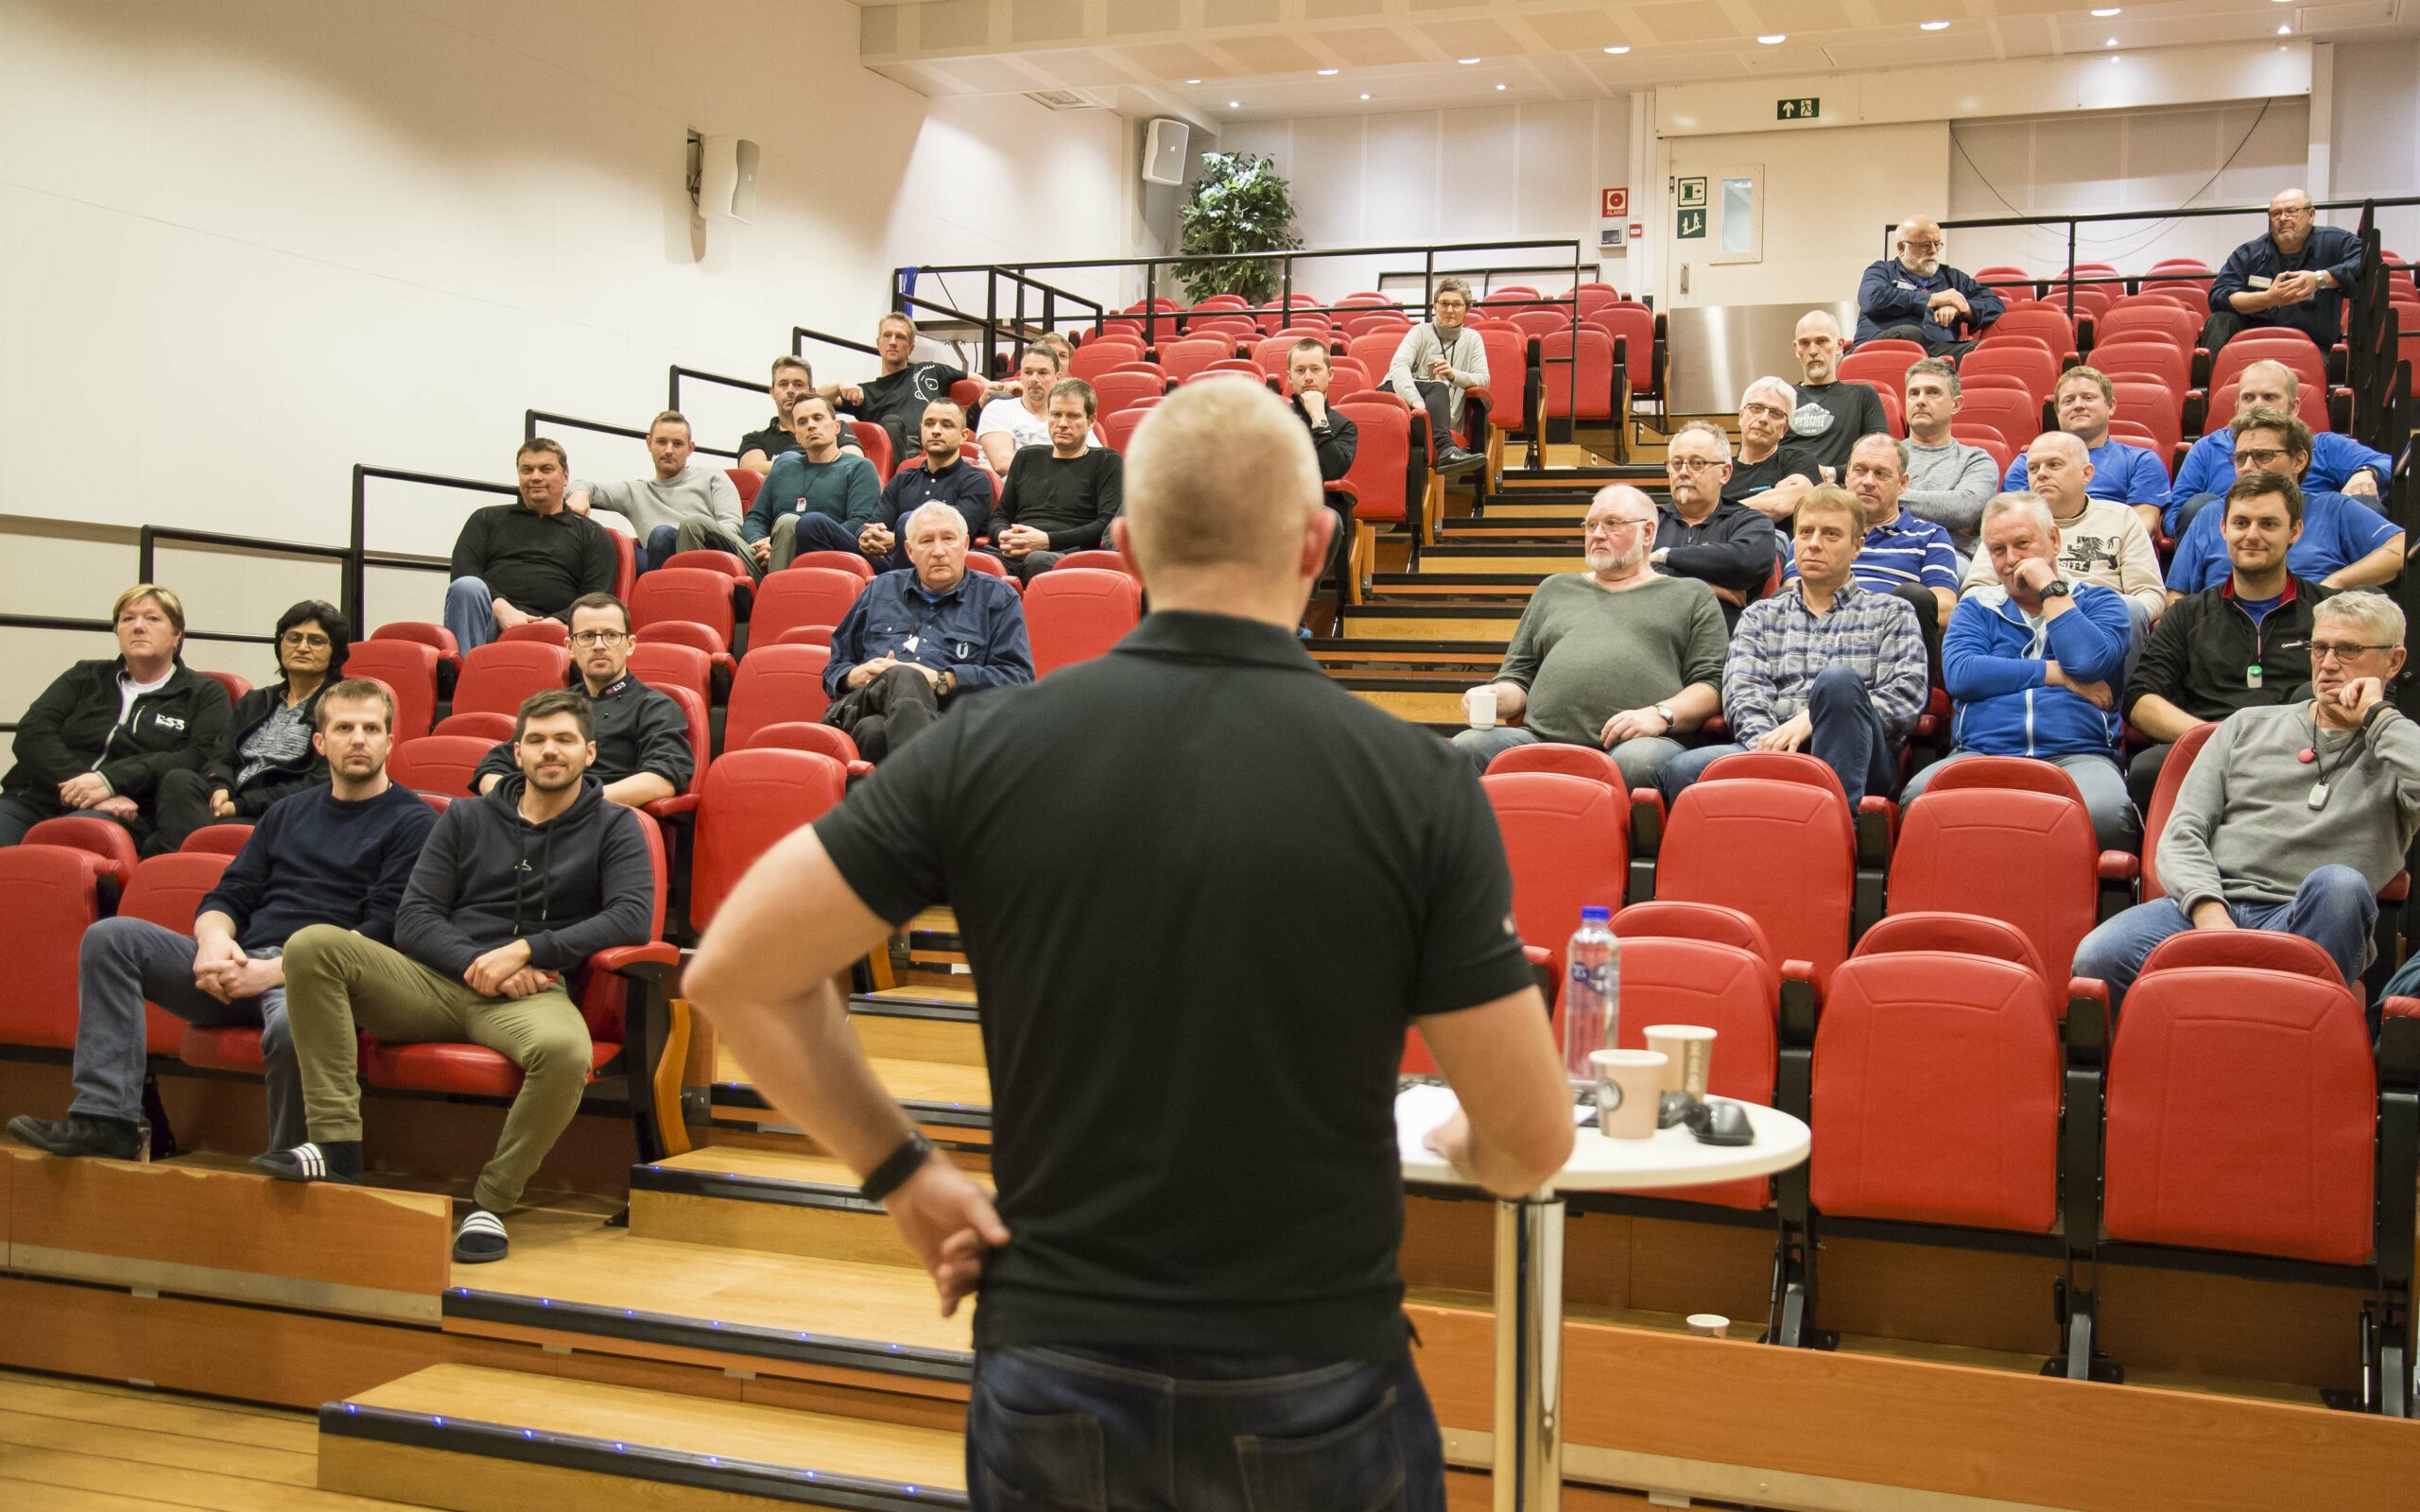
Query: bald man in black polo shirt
1192, 1262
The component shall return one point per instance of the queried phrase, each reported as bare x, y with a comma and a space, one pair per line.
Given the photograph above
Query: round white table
1528, 1260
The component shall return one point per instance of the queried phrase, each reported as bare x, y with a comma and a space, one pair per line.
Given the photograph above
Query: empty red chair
872, 441
1567, 840
1888, 397
498, 676
1114, 391
1375, 352
1958, 934
2171, 779
436, 637
1506, 394
662, 665
753, 798
1803, 882
2140, 358
798, 596
989, 565
2047, 321
843, 562
1108, 561
50, 895
2009, 284
2163, 319
700, 597
1375, 324
437, 764
725, 562
1600, 395
168, 891
2015, 418
107, 845
408, 669
1541, 322
2027, 858
1100, 355
2297, 352
626, 564
1184, 358
2033, 364
1119, 431
1389, 478
1570, 761
1733, 991
1885, 370
544, 632
1990, 440
1074, 614
480, 724
797, 734
2156, 408
1936, 1093
216, 840
1900, 346
2310, 404
747, 480
776, 684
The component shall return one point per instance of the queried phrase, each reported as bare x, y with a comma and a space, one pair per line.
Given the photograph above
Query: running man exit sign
1803, 107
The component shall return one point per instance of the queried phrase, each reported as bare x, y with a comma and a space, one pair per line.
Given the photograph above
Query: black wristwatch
897, 1167
2058, 588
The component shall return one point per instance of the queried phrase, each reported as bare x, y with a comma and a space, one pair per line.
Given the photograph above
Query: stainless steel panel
1718, 350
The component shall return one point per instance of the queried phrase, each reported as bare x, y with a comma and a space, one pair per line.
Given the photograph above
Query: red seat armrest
2401, 1007
622, 957
2117, 866
859, 769
665, 808
2397, 889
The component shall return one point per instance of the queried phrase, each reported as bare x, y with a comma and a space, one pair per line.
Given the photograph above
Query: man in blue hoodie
2036, 666
514, 891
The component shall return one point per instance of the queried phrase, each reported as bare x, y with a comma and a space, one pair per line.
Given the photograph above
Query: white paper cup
1480, 703
1629, 1087
1690, 1047
1711, 1325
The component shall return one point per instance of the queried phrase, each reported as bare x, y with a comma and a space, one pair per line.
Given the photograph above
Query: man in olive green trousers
514, 890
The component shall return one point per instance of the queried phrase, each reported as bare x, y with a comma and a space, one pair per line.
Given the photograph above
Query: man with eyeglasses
1699, 534
1619, 657
2337, 542
1771, 473
2338, 462
1915, 297
2294, 277
642, 751
2294, 816
2240, 644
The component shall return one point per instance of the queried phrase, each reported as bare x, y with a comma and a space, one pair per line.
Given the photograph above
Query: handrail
357, 586
531, 418
800, 333
672, 395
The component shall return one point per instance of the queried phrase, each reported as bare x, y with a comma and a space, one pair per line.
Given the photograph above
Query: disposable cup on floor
1711, 1325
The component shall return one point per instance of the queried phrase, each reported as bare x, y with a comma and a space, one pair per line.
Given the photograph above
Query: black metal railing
672, 391
532, 418
361, 559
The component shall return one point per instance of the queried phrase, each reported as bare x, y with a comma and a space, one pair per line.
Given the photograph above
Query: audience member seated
2121, 472
2242, 643
1831, 415
1334, 440
2100, 542
1066, 499
1021, 418
2338, 462
1440, 359
517, 563
513, 893
817, 498
270, 752
2293, 276
793, 380
641, 736
2336, 542
1699, 534
2033, 665
1917, 297
941, 475
1948, 481
2293, 816
1826, 665
98, 740
1901, 554
1771, 473
919, 638
337, 855
1619, 657
896, 399
684, 507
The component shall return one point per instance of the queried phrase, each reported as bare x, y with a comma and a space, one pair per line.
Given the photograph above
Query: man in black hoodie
514, 891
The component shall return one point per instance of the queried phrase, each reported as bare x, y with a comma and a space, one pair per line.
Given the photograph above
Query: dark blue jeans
1143, 1430
1847, 736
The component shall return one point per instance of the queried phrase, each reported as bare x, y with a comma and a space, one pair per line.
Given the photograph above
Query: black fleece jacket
579, 883
278, 778
72, 728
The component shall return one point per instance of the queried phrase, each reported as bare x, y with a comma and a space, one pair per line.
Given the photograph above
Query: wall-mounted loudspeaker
727, 178
1163, 152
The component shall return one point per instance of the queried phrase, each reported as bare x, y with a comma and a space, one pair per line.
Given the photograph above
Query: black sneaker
481, 1238
332, 1162
111, 1138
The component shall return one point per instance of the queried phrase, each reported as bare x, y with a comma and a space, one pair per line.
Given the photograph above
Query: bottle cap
1594, 914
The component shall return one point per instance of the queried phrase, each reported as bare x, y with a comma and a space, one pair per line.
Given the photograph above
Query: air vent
1061, 100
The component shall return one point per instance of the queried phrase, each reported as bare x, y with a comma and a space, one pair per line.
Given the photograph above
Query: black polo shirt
538, 563
1204, 890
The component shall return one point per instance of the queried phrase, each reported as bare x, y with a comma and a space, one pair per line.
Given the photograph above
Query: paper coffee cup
1690, 1049
1629, 1085
1480, 703
1711, 1325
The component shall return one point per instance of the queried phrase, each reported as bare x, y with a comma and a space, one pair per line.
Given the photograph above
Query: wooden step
1459, 558
949, 1098
1380, 657
1423, 704
1461, 584
1493, 623
479, 1439
778, 1201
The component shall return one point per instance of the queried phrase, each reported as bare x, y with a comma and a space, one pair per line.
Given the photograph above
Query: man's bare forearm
802, 1056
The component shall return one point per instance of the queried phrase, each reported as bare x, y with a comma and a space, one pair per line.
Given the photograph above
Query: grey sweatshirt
1950, 485
647, 503
2244, 831
1468, 359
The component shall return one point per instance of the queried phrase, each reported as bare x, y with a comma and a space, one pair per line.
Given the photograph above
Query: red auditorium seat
2033, 364
1377, 323
747, 480
2310, 404
691, 594
1602, 395
798, 596
408, 668
1182, 359
660, 664
1506, 394
2172, 780
753, 798
1989, 439
1375, 352
1734, 992
777, 684
1556, 756
436, 637
2045, 322
1389, 478
1567, 840
437, 764
1957, 935
2297, 352
50, 896
1100, 560
693, 709
797, 734
1805, 888
1639, 344
988, 565
2133, 357
2017, 417
498, 676
235, 685
216, 840
1542, 323
541, 633
2163, 318
1885, 370
168, 891
872, 441
2027, 858
1114, 391
1119, 430
845, 561
626, 564
1997, 278
1890, 399
1712, 922
1074, 614
2156, 408
725, 562
1097, 356
478, 724
107, 844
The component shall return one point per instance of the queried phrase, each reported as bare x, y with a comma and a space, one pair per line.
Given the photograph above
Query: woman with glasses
269, 754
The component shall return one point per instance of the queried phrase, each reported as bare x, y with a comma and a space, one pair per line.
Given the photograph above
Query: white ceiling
1263, 56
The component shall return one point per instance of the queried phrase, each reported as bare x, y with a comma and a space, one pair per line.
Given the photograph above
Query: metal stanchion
1529, 1354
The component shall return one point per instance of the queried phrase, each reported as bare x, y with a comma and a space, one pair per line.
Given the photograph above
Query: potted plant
1240, 204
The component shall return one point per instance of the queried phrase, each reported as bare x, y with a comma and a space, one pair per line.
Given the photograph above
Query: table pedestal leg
1529, 1354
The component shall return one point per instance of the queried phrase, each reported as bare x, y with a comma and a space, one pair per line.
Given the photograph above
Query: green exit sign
1804, 108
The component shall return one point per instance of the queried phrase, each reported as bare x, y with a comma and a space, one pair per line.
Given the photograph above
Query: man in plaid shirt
1824, 665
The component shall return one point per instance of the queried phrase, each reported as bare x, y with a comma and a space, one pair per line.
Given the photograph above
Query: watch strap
896, 1167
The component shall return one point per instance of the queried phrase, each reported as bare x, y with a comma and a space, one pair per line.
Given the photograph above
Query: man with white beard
1917, 297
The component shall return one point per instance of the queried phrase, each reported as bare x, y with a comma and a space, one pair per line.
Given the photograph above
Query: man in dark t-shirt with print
1062, 497
895, 400
1192, 1260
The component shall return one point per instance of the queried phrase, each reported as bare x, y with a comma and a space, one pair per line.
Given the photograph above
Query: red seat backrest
436, 637
2033, 364
498, 676
1380, 323
1990, 440
1119, 430
1075, 614
1114, 391
544, 632
797, 734
753, 798
1889, 395
1381, 471
1936, 1093
2250, 949
1887, 370
1375, 352
1782, 853
986, 564
1556, 756
1184, 358
408, 668
2243, 1115
2171, 779
1595, 397
168, 891
709, 560
1786, 766
2157, 408
2163, 317
1568, 842
747, 480
776, 684
1706, 921
2015, 418
701, 597
2157, 361
109, 843
437, 764
874, 442
48, 895
1957, 935
796, 596
483, 724
1097, 356
2045, 320
1541, 322
2297, 352
1099, 558
661, 664
701, 738
2025, 858
216, 840
1735, 993
1634, 327
2310, 404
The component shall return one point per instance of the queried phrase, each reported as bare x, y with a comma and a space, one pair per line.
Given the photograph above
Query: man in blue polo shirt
940, 475
2337, 542
1901, 553
2121, 474
917, 639
1917, 297
2338, 463
2294, 276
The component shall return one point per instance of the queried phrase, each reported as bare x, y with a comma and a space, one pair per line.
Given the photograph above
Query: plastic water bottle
1592, 999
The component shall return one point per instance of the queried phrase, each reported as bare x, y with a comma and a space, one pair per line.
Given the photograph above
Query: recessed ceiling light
1932, 25
1325, 72
1365, 96
2285, 31
1193, 82
2108, 11
2110, 43
1618, 51
1772, 37
1467, 62
1499, 86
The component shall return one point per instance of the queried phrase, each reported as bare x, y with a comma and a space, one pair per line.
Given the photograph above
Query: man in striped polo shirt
1903, 553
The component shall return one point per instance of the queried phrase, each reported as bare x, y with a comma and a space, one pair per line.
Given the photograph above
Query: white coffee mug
1481, 704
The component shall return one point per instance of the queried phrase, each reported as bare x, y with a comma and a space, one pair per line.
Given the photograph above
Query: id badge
2257, 280
2251, 675
909, 645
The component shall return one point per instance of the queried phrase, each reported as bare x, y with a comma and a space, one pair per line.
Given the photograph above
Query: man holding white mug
1619, 657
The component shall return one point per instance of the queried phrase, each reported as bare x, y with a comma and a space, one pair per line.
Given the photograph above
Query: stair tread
914, 1081
769, 1165
892, 1453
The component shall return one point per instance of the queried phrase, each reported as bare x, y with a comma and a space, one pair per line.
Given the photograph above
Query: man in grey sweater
681, 509
1948, 481
1619, 657
2295, 815
1438, 360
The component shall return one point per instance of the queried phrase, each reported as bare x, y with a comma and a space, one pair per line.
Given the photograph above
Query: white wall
244, 245
1417, 178
2377, 134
